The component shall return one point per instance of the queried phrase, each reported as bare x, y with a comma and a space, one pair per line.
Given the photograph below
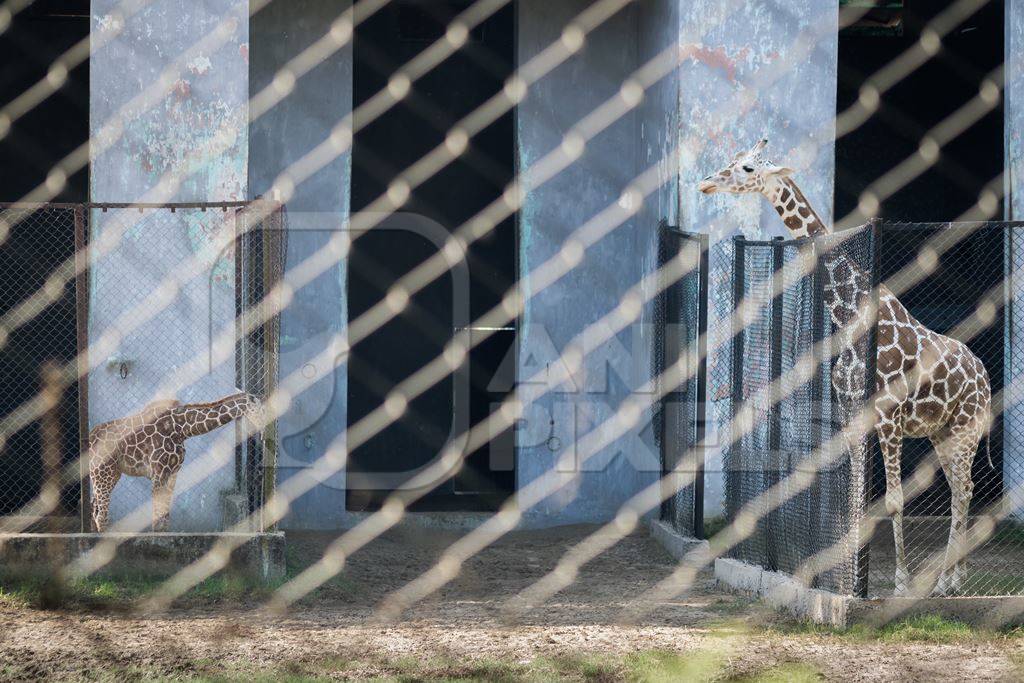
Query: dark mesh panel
680, 318
788, 463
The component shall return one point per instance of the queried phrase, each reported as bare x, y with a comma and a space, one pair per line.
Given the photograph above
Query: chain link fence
788, 461
39, 256
148, 303
680, 317
968, 291
832, 527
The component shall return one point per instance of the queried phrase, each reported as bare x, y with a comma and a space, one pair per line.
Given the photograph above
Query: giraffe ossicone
927, 385
151, 444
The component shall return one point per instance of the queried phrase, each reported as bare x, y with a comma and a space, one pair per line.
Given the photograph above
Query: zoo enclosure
681, 323
788, 460
79, 276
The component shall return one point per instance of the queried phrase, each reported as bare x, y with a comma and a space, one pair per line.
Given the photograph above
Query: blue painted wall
196, 132
554, 316
751, 70
316, 318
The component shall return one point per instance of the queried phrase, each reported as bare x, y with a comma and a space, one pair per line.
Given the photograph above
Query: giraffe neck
847, 285
792, 206
194, 419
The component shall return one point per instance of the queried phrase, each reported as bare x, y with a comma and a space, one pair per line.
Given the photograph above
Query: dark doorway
969, 163
383, 149
41, 240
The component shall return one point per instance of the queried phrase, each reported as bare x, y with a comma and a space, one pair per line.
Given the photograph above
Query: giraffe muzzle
707, 186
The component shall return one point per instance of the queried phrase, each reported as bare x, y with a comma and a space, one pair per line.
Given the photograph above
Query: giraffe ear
778, 170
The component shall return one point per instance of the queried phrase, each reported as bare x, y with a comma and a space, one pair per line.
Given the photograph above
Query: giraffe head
748, 172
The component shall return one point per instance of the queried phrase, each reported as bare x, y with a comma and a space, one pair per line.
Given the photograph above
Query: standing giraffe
927, 384
151, 444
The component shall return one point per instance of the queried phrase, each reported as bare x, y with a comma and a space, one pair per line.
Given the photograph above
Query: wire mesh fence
790, 416
967, 294
680, 321
35, 255
873, 534
110, 317
814, 482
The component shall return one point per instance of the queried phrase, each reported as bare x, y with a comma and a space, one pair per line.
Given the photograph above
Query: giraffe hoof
902, 588
946, 587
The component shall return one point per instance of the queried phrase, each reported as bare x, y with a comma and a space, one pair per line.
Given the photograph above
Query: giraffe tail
988, 449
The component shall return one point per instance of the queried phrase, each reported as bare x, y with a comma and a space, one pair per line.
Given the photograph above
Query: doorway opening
381, 151
41, 241
970, 162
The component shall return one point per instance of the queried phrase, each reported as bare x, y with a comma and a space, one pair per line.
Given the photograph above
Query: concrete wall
197, 134
316, 319
554, 316
751, 70
1013, 368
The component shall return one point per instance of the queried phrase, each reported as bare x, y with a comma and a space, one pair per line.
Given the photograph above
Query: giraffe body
927, 385
151, 444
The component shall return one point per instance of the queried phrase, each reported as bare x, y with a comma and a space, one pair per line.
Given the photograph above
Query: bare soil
337, 636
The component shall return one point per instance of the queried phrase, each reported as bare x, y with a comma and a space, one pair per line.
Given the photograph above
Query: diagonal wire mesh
772, 384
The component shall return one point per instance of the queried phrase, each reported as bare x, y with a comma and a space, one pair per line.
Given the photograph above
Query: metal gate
96, 291
790, 464
681, 319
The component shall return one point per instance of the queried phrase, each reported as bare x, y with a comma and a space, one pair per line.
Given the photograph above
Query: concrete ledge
678, 546
259, 555
782, 591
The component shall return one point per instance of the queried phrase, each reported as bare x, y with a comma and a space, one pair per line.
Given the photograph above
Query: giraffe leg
103, 480
854, 437
163, 494
956, 463
890, 431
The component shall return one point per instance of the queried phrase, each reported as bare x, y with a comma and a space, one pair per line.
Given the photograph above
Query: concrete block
678, 546
784, 592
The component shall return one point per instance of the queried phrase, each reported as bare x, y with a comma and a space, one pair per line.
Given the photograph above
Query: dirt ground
464, 624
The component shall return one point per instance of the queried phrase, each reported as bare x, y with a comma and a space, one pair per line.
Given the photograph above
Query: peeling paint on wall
197, 132
751, 71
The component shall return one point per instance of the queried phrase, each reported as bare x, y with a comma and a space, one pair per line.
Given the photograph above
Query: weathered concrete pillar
316, 319
751, 71
555, 316
175, 78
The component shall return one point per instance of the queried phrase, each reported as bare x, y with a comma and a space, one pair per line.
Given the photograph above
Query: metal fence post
817, 385
702, 389
734, 471
82, 345
774, 460
870, 390
272, 237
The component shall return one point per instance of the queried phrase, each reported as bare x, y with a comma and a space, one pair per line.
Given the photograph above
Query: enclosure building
605, 114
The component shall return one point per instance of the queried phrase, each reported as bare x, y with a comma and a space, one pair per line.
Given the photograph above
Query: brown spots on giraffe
794, 223
151, 444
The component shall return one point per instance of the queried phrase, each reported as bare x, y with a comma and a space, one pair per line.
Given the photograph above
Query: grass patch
793, 672
925, 628
713, 525
658, 666
122, 590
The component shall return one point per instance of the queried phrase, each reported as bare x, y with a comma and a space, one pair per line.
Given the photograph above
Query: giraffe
151, 444
927, 384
